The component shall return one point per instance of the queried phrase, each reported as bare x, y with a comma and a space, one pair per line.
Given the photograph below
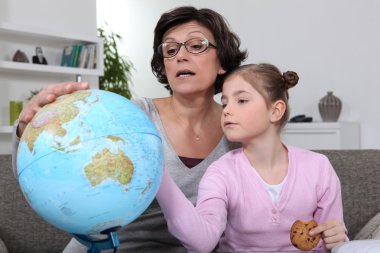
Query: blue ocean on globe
89, 162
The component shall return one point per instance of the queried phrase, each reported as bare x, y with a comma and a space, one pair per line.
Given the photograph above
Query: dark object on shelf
20, 56
329, 107
301, 118
39, 57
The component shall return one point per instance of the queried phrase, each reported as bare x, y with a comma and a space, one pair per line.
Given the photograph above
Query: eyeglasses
193, 46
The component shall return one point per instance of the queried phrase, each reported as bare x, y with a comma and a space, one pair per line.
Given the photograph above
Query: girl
250, 197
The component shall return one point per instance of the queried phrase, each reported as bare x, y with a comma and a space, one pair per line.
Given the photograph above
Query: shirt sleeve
329, 205
198, 228
15, 142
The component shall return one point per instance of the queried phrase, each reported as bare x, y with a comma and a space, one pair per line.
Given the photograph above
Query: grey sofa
23, 231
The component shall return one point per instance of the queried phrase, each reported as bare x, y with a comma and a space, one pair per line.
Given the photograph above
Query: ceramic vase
330, 107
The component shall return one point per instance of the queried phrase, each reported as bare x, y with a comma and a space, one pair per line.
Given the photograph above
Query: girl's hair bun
291, 79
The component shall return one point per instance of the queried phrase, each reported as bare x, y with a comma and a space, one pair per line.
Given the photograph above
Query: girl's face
245, 113
187, 72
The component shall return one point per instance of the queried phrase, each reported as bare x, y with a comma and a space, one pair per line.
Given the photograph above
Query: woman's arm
46, 96
15, 142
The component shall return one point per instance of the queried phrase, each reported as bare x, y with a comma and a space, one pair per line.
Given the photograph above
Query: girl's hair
227, 43
270, 83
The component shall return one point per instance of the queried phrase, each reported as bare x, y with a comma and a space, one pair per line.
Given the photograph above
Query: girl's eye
224, 105
242, 101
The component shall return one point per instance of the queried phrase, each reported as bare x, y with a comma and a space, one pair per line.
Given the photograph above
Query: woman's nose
182, 54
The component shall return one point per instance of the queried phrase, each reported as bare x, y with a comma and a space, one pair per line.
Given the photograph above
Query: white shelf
36, 33
323, 135
6, 129
15, 37
6, 139
29, 67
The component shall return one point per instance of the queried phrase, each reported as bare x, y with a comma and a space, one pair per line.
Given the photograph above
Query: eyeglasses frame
180, 44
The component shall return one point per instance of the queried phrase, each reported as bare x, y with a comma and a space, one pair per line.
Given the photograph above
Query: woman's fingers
66, 88
46, 96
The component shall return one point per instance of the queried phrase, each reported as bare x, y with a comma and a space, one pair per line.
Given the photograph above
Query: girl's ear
278, 110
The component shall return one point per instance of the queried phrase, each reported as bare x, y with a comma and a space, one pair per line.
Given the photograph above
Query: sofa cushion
358, 171
21, 229
3, 249
358, 246
371, 230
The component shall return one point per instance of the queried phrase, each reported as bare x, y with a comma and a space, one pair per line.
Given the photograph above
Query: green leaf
117, 69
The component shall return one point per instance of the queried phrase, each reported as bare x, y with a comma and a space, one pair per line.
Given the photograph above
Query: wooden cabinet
323, 135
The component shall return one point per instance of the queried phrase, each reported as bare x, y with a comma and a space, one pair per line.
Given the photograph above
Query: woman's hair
270, 83
227, 43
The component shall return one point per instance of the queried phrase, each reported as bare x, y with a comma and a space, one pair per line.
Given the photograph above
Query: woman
193, 50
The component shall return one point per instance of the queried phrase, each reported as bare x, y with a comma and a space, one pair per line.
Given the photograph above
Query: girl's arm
198, 228
333, 233
330, 209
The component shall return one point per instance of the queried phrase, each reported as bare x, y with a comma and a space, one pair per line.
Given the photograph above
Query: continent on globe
51, 120
107, 165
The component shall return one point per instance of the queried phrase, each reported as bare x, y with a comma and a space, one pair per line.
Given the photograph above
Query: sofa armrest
362, 246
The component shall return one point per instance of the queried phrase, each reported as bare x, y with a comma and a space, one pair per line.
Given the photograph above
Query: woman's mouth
184, 73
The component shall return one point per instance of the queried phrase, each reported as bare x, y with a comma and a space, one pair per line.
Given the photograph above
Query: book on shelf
79, 56
67, 56
91, 59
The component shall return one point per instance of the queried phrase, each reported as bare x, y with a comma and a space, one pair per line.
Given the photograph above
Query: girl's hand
46, 96
333, 233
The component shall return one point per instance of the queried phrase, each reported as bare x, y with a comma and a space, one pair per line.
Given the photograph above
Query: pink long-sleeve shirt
235, 213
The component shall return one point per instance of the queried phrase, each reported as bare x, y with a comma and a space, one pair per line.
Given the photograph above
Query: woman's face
189, 73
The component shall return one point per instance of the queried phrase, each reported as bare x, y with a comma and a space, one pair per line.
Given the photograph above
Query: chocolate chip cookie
299, 235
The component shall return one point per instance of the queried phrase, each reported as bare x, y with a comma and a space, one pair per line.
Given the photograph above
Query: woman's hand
333, 233
46, 96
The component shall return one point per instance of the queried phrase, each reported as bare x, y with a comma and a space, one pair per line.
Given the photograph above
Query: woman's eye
196, 46
170, 51
224, 105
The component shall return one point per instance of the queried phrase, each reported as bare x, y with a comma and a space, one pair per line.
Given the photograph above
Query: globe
90, 162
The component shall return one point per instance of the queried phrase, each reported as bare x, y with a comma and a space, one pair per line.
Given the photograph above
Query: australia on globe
90, 162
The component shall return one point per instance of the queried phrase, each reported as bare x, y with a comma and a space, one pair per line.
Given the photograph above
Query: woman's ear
221, 71
278, 110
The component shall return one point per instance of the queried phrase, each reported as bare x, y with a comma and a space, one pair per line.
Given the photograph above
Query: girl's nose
226, 110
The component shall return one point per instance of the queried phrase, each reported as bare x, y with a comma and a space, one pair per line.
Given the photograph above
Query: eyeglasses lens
194, 46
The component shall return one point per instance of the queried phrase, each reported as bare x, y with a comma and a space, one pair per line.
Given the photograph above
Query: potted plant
117, 69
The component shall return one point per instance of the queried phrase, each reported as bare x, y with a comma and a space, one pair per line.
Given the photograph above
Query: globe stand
95, 246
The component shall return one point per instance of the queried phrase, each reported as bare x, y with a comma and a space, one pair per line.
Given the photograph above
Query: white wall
333, 45
67, 15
